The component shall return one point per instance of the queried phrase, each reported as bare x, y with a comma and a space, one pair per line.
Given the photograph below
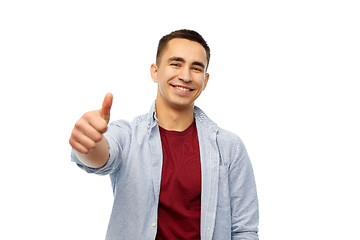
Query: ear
206, 80
154, 72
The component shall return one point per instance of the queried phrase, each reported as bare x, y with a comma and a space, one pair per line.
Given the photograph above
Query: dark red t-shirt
180, 190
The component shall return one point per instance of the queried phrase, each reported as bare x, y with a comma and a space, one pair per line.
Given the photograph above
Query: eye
175, 64
197, 69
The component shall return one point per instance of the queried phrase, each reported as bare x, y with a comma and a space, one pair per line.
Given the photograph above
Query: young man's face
181, 73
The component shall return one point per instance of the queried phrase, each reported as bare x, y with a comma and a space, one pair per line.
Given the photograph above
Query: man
175, 173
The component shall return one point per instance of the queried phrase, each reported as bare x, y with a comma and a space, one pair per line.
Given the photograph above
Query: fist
89, 129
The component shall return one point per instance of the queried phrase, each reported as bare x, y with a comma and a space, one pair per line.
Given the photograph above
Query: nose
185, 75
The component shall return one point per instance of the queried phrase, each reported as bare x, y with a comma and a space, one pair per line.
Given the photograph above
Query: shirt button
153, 224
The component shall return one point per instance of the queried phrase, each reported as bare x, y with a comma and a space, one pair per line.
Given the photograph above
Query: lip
181, 89
181, 86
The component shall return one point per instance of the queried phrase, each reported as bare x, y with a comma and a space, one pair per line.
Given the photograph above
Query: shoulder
227, 137
139, 124
228, 142
224, 136
135, 123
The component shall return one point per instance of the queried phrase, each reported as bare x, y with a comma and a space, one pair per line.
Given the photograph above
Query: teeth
182, 89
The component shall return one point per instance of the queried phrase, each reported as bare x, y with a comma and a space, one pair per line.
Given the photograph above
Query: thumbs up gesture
88, 130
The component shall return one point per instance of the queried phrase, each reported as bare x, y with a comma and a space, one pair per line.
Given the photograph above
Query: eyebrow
180, 59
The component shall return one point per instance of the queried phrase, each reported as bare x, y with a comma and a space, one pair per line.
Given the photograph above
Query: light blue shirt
229, 205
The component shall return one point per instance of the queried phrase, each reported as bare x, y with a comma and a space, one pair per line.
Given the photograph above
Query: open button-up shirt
229, 205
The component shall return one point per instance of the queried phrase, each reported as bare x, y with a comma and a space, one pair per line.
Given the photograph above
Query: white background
283, 75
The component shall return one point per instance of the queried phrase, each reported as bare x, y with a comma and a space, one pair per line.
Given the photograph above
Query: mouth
182, 88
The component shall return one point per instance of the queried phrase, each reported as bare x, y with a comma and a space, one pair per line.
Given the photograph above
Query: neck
174, 119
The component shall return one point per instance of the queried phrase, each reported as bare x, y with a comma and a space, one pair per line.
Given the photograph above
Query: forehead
186, 49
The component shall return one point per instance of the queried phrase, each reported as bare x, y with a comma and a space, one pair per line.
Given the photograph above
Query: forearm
97, 157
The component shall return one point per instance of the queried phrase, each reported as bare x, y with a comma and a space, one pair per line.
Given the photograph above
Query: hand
89, 129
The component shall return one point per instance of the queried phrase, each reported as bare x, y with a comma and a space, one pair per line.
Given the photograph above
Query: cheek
200, 83
166, 75
170, 74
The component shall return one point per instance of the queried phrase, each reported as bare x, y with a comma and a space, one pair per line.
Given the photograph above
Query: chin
181, 105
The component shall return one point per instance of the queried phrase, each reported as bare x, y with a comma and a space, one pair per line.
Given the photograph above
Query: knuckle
74, 135
85, 118
71, 141
98, 137
92, 145
79, 124
86, 115
104, 127
89, 115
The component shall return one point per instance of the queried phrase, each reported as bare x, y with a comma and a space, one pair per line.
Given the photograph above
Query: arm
87, 136
243, 195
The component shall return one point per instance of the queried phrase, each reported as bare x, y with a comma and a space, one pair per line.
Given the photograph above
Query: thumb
106, 106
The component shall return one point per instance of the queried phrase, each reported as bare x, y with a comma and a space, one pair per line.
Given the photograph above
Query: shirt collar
200, 118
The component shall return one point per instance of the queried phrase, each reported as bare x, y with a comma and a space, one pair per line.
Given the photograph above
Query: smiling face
180, 74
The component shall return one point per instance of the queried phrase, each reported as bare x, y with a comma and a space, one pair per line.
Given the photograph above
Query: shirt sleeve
243, 195
118, 137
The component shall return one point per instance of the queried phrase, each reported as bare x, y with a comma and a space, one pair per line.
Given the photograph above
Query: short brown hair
185, 34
